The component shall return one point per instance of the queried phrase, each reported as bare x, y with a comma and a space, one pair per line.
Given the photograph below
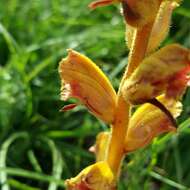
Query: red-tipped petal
68, 107
101, 3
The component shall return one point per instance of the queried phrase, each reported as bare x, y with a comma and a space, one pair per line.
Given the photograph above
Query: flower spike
83, 80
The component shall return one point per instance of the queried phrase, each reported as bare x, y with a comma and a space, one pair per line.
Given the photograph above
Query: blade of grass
3, 156
118, 69
33, 160
182, 128
57, 163
167, 181
31, 175
40, 67
177, 159
20, 186
12, 44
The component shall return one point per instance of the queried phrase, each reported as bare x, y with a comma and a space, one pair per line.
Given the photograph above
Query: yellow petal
165, 71
161, 25
83, 80
95, 177
101, 145
149, 122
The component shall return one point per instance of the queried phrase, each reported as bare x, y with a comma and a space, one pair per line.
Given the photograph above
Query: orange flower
149, 122
95, 177
83, 80
165, 71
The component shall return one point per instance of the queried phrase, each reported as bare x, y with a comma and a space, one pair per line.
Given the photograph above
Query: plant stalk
119, 127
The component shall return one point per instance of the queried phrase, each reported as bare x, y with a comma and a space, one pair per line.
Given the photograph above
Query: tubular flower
95, 177
165, 71
149, 122
82, 79
100, 147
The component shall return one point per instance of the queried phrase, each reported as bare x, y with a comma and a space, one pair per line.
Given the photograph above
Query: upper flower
137, 13
165, 71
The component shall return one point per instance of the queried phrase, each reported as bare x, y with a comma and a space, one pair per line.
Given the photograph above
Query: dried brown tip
159, 105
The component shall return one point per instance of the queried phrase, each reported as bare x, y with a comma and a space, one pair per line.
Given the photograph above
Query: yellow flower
149, 122
95, 177
165, 71
82, 79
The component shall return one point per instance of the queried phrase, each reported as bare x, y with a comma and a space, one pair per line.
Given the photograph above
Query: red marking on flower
68, 107
82, 186
75, 89
91, 108
179, 82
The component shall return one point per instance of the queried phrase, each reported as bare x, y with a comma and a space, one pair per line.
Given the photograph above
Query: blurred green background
40, 147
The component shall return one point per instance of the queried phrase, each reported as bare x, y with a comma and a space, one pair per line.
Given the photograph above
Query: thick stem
120, 125
119, 130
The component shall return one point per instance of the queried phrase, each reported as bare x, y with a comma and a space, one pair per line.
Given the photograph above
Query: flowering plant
154, 80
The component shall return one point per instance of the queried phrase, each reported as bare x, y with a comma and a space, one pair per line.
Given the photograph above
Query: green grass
40, 147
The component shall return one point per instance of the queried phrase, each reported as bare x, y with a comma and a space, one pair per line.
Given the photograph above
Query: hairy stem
139, 48
120, 125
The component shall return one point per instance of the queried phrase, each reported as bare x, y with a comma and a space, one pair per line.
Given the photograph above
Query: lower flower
95, 177
149, 122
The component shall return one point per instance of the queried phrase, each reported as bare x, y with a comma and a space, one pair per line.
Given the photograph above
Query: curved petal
162, 24
95, 177
149, 122
83, 80
165, 71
